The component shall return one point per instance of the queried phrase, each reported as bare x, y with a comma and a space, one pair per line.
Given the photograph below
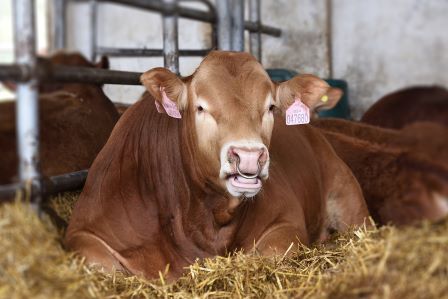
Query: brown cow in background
165, 191
75, 123
403, 174
409, 105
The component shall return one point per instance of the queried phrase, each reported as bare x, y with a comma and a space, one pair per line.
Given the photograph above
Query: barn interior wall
380, 46
377, 47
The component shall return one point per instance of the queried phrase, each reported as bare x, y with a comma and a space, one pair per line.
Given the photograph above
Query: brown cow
420, 103
75, 123
121, 107
403, 174
167, 191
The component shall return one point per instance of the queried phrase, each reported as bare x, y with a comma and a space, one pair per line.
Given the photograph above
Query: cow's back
72, 132
427, 138
409, 105
403, 174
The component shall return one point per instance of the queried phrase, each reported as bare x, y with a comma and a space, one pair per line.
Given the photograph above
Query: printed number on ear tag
297, 114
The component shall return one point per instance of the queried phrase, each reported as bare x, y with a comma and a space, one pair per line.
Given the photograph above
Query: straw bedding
409, 262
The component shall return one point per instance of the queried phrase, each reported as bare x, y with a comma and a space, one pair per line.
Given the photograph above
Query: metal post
27, 111
330, 37
238, 25
224, 24
170, 37
59, 23
94, 28
255, 37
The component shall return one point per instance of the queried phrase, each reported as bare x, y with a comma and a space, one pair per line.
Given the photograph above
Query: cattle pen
228, 27
223, 149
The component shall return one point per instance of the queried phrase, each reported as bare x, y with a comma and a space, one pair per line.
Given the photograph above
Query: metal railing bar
190, 13
57, 73
123, 52
50, 186
265, 29
158, 6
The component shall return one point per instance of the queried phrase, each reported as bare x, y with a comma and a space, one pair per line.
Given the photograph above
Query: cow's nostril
232, 156
247, 162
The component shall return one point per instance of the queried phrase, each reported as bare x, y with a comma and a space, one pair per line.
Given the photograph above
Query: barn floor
409, 262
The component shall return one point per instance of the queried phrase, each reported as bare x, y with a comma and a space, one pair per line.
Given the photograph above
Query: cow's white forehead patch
269, 100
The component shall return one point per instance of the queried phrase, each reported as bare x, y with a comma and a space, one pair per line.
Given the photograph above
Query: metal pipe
60, 73
65, 182
27, 112
160, 6
237, 13
210, 6
224, 25
14, 72
50, 186
268, 30
147, 52
93, 76
329, 37
255, 37
170, 37
59, 8
193, 14
93, 29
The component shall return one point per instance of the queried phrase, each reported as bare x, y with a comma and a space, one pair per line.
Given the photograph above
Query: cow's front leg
277, 239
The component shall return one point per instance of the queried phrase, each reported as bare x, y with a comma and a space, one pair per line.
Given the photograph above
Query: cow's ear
103, 63
330, 100
167, 89
308, 89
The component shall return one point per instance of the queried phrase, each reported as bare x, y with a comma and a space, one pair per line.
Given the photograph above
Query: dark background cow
412, 104
403, 173
75, 123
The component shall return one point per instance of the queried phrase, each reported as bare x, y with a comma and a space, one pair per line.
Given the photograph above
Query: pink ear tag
158, 107
169, 106
298, 113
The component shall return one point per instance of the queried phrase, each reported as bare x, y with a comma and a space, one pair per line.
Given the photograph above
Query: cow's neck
216, 221
216, 215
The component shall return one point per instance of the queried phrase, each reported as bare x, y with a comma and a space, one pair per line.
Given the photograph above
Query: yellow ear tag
324, 99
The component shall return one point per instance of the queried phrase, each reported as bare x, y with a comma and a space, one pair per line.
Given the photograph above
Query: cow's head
228, 105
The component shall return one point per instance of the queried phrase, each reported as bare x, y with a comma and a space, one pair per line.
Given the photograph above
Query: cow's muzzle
245, 175
248, 166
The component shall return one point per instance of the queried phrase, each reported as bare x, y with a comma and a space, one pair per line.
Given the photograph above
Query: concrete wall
377, 45
303, 45
124, 27
381, 45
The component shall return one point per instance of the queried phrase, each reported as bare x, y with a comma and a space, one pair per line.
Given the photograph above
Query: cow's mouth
246, 183
239, 186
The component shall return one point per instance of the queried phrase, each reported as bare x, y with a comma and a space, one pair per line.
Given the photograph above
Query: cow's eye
271, 108
200, 109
